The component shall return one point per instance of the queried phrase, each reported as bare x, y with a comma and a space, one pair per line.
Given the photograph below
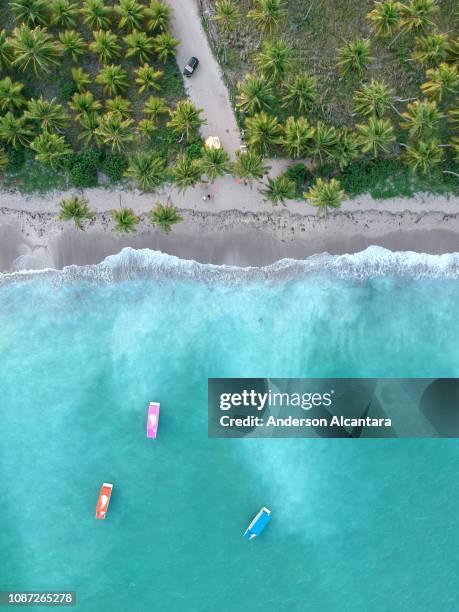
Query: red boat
104, 500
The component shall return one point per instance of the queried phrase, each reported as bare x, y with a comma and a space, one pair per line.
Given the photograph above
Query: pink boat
152, 419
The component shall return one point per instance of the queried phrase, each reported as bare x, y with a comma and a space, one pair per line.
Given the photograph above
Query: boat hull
258, 524
103, 500
152, 419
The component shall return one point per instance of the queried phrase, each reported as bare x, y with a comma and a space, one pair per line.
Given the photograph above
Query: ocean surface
356, 525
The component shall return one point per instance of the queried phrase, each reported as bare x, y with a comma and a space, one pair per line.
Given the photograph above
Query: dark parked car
191, 66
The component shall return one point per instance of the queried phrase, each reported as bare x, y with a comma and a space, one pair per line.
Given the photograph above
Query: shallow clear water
357, 524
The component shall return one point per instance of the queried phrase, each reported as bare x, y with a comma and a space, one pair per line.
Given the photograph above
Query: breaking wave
132, 264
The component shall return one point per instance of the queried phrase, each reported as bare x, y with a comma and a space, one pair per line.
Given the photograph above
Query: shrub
68, 89
83, 168
114, 166
16, 158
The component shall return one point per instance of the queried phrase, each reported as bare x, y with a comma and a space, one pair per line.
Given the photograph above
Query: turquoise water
357, 524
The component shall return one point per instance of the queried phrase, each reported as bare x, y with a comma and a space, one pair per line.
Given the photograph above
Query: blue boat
258, 524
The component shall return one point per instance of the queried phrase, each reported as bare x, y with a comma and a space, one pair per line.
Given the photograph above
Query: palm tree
105, 45
373, 98
268, 15
75, 209
131, 14
376, 136
279, 189
185, 119
50, 149
325, 195
214, 163
455, 145
113, 79
30, 12
300, 92
263, 132
80, 78
274, 59
443, 82
226, 17
6, 50
14, 130
140, 45
96, 15
146, 127
114, 130
11, 94
249, 166
430, 49
424, 156
164, 217
148, 170
64, 13
84, 104
89, 123
165, 46
186, 172
354, 56
421, 118
384, 18
416, 14
48, 114
125, 220
298, 134
4, 159
72, 43
120, 105
324, 142
159, 16
347, 149
255, 94
154, 107
34, 48
148, 78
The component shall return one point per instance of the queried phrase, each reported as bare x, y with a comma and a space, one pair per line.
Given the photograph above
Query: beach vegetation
263, 132
279, 189
214, 162
249, 166
76, 209
325, 195
125, 220
186, 172
255, 94
147, 170
267, 15
164, 216
158, 15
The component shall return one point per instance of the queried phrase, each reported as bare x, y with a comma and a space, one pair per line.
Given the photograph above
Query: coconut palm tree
263, 132
11, 96
165, 46
125, 220
300, 92
323, 143
96, 15
443, 81
30, 12
120, 105
50, 149
139, 45
185, 119
376, 136
115, 131
6, 50
64, 13
186, 172
154, 107
131, 14
384, 18
274, 59
84, 104
159, 16
49, 115
255, 94
298, 134
455, 145
417, 14
147, 169
347, 149
113, 79
421, 118
34, 48
80, 78
424, 156
214, 163
430, 49
279, 189
226, 17
105, 45
354, 56
76, 209
268, 15
164, 216
72, 43
148, 78
249, 166
373, 98
89, 123
325, 195
14, 131
146, 127
4, 159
